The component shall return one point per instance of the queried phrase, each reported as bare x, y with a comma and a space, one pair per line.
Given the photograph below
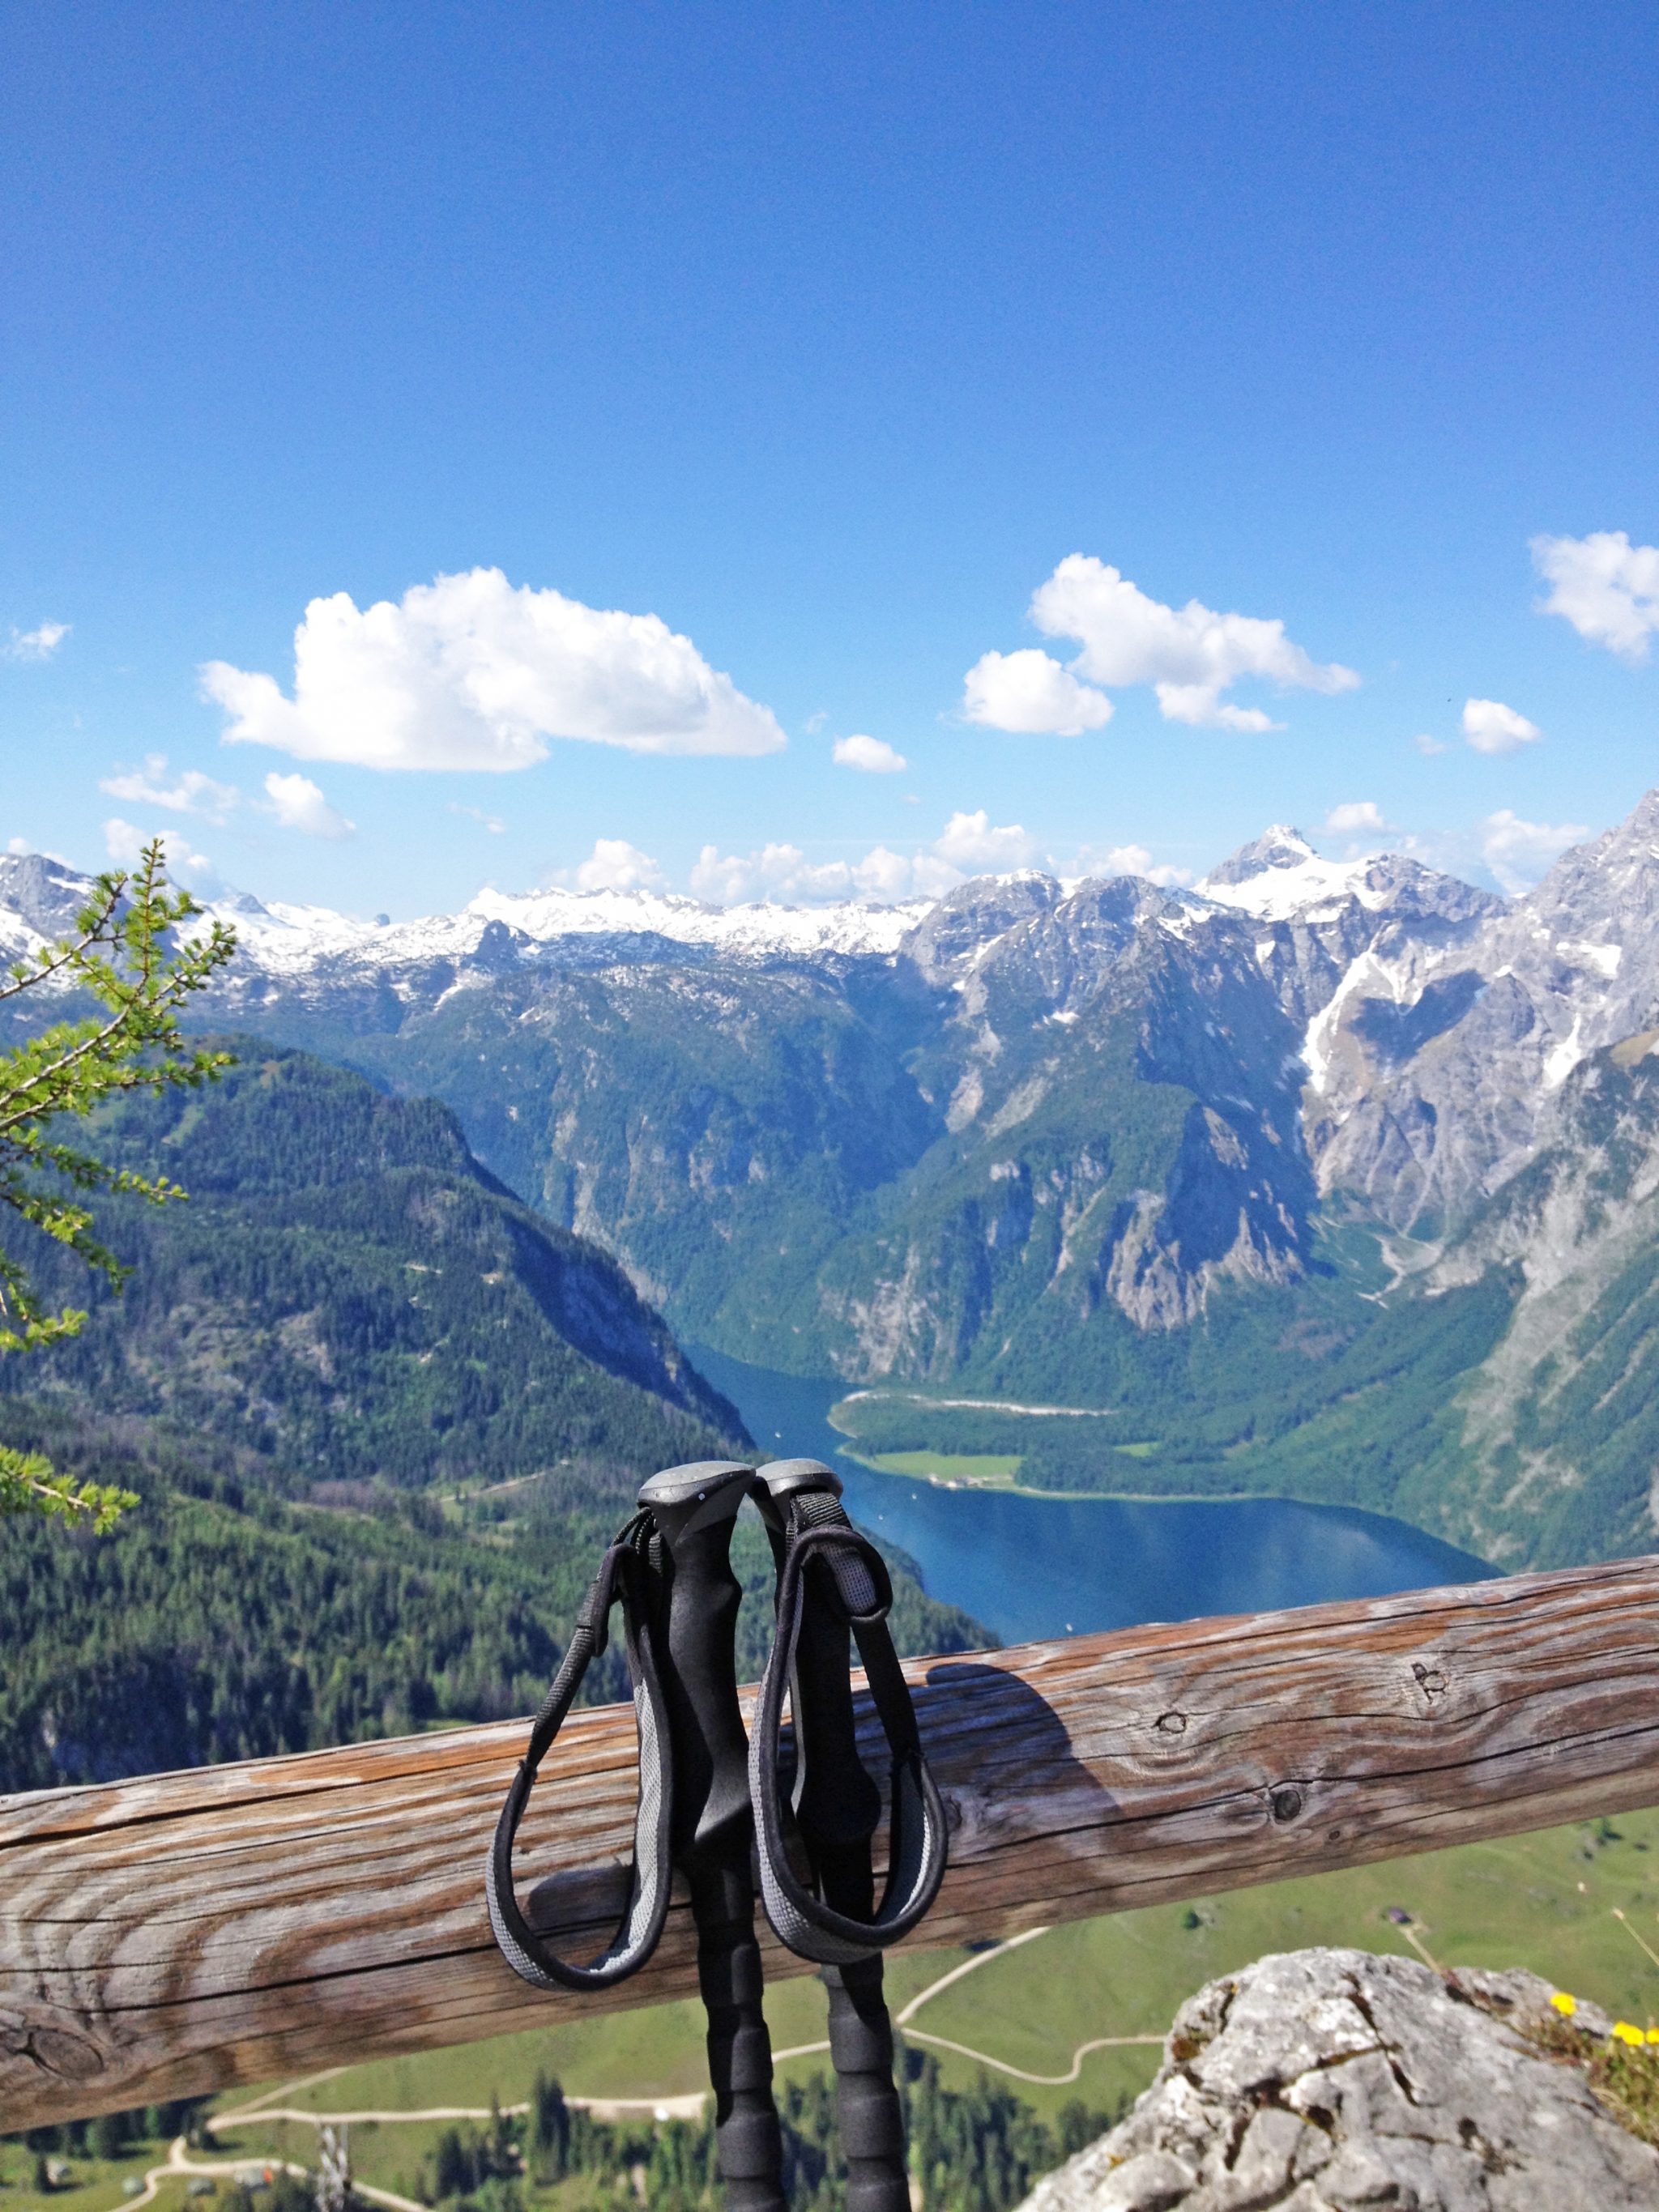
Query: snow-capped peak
285, 938
759, 927
1278, 877
1277, 846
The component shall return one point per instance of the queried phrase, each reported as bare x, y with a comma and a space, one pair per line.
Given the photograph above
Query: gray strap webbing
621, 1578
917, 1842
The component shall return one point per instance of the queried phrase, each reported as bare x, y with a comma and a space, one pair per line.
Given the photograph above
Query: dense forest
380, 1419
978, 2150
221, 1620
346, 1293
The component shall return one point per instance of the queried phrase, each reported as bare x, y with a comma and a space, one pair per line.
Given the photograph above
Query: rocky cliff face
1554, 1426
1492, 1023
923, 1142
1336, 2081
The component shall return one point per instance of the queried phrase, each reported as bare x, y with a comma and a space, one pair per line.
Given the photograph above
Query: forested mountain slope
346, 1294
381, 1418
221, 1620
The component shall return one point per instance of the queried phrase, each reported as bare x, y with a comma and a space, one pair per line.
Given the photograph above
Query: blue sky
817, 339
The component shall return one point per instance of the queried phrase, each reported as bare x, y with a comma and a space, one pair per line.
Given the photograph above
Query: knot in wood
1285, 1801
1170, 1724
41, 2038
1430, 1679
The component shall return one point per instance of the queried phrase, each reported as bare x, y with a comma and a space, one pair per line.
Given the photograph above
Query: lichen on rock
1332, 2081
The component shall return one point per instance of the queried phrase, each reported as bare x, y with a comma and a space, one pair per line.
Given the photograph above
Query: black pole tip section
872, 2116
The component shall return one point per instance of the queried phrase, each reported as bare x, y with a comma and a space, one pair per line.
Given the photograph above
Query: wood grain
182, 1932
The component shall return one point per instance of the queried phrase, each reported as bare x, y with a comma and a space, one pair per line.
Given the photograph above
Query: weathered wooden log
237, 1923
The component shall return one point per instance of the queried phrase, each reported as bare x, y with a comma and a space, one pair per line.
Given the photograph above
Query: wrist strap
917, 1840
623, 1577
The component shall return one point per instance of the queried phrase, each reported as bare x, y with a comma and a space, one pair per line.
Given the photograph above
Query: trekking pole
838, 1804
705, 1794
712, 1826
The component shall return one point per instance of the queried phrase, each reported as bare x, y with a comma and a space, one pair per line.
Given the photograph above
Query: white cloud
469, 673
1429, 745
873, 755
1127, 860
189, 791
1190, 655
614, 865
1029, 694
884, 875
1605, 586
969, 842
124, 844
19, 845
1355, 818
1518, 853
780, 872
38, 644
724, 878
1493, 727
492, 823
298, 805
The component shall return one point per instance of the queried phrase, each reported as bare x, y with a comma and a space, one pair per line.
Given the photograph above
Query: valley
1322, 1188
380, 1418
1278, 1169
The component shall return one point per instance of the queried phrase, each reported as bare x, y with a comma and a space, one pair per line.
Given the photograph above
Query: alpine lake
1030, 1566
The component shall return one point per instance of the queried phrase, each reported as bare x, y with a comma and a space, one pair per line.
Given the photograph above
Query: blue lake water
1039, 1567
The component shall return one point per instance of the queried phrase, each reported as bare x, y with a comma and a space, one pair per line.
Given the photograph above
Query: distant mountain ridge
1046, 1140
1430, 1020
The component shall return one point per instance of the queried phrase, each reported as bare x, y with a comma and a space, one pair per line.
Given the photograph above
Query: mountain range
1201, 1155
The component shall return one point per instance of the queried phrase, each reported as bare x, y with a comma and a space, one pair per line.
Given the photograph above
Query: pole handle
694, 1507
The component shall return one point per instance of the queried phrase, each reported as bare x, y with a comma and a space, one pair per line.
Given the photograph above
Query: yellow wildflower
1564, 2004
1624, 2032
1653, 2035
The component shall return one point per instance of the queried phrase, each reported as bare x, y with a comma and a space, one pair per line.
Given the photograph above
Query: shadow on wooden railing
182, 1932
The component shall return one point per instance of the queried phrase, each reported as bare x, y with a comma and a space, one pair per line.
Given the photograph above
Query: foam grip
748, 2141
872, 2119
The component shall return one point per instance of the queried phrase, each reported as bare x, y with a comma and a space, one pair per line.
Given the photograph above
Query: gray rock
1571, 967
1337, 2082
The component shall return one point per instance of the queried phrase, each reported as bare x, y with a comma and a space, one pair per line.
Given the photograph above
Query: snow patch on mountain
1281, 878
758, 927
287, 939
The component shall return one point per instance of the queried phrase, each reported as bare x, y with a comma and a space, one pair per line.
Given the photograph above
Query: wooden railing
238, 1923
